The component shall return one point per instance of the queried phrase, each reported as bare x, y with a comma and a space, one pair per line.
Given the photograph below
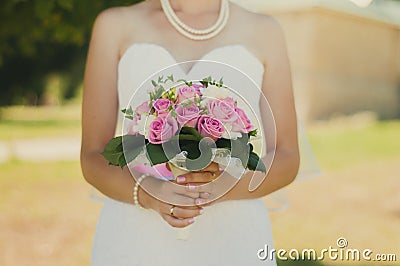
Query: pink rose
161, 129
187, 116
230, 101
242, 123
210, 127
144, 108
222, 109
161, 106
198, 87
189, 92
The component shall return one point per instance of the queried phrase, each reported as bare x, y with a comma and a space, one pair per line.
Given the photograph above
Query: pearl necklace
197, 34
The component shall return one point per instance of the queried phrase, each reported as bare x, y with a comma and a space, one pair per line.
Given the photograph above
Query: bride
129, 44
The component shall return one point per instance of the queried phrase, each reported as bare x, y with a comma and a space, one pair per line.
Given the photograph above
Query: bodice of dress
142, 61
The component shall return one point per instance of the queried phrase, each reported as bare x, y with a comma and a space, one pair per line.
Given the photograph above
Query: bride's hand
215, 188
176, 204
206, 175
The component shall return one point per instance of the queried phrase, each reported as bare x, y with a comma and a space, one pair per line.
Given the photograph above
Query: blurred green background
47, 217
43, 46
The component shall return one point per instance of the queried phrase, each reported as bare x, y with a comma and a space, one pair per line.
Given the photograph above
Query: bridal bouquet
188, 125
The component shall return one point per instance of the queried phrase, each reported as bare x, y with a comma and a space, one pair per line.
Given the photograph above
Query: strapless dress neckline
205, 56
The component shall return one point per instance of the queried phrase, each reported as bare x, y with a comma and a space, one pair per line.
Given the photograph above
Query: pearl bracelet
136, 190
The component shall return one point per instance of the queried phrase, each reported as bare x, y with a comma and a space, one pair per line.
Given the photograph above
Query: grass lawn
47, 217
29, 122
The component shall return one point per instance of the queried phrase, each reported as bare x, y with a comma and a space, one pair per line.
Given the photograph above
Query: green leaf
221, 82
154, 83
206, 81
156, 154
112, 157
114, 144
240, 148
199, 157
223, 143
123, 149
113, 151
255, 163
191, 131
192, 149
182, 80
187, 83
128, 113
133, 141
158, 93
253, 133
122, 161
130, 155
184, 137
132, 146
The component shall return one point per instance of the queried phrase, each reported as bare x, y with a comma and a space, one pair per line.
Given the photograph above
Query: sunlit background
345, 58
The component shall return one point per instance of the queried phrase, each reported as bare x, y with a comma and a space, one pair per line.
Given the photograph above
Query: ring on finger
171, 211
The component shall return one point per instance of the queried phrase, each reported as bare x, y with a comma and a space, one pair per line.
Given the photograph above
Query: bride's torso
148, 48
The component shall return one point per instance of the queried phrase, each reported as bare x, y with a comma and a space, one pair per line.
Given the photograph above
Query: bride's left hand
206, 175
209, 177
197, 178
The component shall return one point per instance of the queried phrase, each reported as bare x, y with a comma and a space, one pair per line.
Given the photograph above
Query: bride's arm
99, 119
99, 111
277, 89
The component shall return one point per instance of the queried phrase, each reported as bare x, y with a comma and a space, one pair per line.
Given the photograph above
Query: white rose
143, 124
228, 133
213, 92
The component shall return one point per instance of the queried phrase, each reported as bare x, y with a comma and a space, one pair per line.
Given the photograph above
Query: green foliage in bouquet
123, 149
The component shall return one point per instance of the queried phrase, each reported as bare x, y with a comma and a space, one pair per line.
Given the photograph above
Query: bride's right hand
162, 196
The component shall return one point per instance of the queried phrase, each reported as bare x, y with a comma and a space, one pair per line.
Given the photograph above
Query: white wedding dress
228, 233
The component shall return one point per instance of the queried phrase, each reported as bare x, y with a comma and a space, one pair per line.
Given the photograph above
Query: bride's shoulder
255, 20
119, 22
264, 31
121, 15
